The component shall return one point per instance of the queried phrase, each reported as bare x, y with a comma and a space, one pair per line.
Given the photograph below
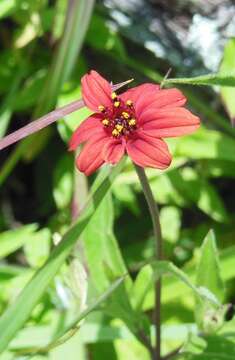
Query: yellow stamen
129, 102
101, 108
114, 96
105, 122
115, 132
132, 122
125, 115
116, 103
119, 127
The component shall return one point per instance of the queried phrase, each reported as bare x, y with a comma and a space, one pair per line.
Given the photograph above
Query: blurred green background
46, 46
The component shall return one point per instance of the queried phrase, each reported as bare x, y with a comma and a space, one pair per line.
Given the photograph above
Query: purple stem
47, 119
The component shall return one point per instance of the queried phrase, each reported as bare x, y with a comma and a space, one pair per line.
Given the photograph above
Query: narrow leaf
209, 277
221, 79
228, 64
208, 272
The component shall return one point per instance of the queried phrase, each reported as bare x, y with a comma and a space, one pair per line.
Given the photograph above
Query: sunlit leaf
12, 240
228, 64
208, 276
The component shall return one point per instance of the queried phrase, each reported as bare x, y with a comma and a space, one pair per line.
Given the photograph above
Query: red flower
133, 122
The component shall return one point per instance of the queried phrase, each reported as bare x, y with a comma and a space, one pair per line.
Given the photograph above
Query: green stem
154, 212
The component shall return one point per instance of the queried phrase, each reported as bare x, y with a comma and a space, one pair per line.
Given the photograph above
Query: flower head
133, 122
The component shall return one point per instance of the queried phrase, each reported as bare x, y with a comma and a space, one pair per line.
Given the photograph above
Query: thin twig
153, 208
46, 120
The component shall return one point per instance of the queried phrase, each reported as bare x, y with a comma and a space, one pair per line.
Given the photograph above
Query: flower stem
47, 120
154, 212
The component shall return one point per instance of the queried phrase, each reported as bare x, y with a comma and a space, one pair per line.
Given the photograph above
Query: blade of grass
17, 314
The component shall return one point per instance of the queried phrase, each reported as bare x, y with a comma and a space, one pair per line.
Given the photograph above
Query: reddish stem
46, 120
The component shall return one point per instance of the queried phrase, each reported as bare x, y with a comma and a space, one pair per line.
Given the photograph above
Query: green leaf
71, 329
170, 215
197, 189
105, 262
218, 168
228, 64
37, 249
165, 267
30, 92
174, 289
142, 285
221, 79
8, 6
63, 181
17, 313
100, 36
206, 144
8, 272
208, 348
12, 240
208, 271
95, 332
154, 270
208, 276
102, 252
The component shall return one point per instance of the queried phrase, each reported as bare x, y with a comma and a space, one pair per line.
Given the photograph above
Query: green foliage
12, 240
32, 293
208, 276
77, 267
228, 64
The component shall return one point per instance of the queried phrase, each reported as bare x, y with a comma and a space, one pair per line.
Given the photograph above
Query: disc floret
120, 119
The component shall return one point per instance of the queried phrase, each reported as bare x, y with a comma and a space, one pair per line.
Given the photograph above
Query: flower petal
90, 158
169, 122
146, 151
85, 131
96, 91
160, 99
113, 151
142, 90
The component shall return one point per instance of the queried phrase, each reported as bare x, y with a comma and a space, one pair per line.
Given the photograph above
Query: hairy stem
154, 212
47, 119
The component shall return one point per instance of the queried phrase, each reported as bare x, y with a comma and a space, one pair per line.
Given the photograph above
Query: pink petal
161, 99
142, 90
146, 151
96, 91
85, 131
90, 158
169, 122
113, 151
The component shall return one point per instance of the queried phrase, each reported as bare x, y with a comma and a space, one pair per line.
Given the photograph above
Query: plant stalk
47, 120
154, 212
